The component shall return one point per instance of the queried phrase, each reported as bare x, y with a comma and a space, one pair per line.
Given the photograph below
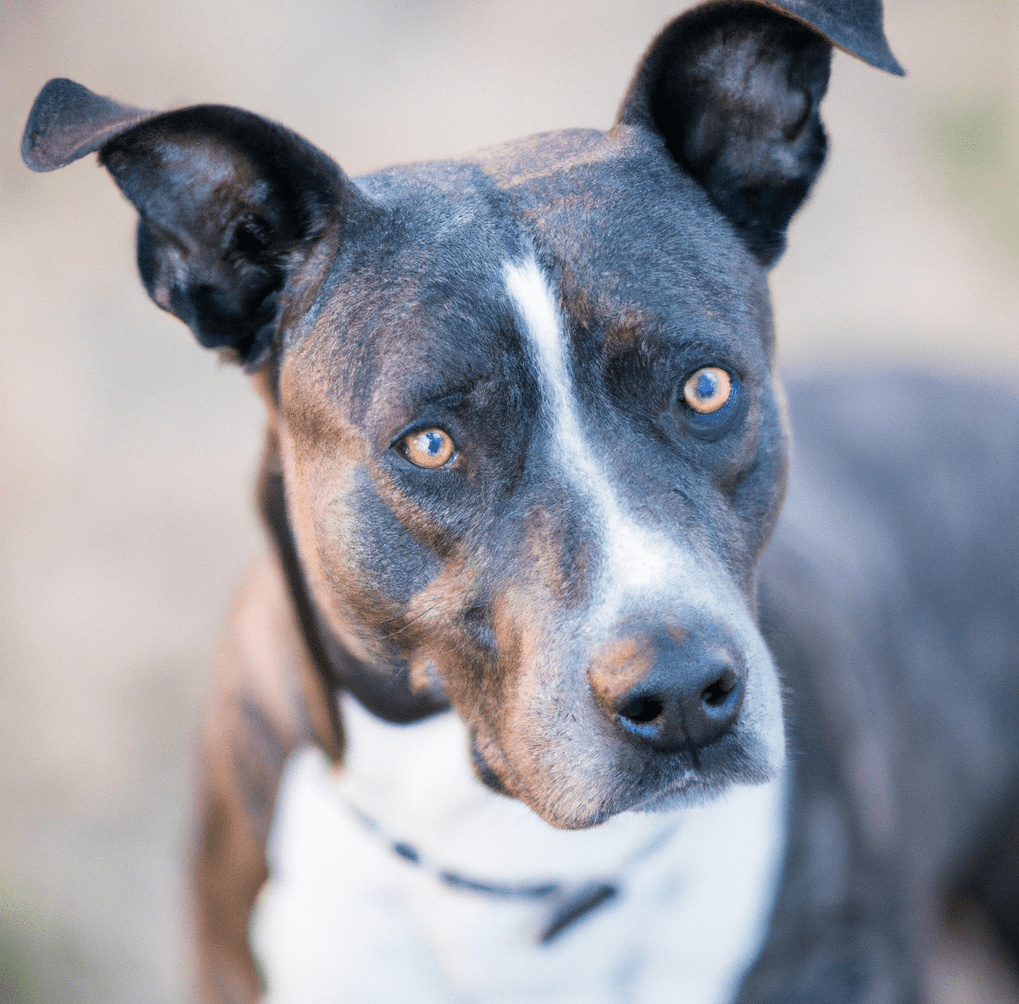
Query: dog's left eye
708, 389
429, 448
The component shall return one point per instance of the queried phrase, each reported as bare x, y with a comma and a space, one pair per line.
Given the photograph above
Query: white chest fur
343, 917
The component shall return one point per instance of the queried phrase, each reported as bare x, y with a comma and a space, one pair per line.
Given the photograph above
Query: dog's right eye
429, 448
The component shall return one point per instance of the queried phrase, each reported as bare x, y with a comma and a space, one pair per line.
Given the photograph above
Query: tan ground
126, 454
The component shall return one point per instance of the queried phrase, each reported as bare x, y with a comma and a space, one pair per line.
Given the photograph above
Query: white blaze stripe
636, 559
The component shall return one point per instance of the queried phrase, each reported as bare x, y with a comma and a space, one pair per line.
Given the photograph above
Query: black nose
690, 697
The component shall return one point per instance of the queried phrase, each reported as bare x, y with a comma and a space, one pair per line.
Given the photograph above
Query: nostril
717, 693
642, 709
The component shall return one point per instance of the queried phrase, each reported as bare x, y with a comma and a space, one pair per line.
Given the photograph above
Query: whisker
407, 624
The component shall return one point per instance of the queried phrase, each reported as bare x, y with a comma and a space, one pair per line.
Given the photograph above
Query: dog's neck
707, 874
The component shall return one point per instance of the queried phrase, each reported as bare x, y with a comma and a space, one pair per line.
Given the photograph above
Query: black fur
735, 91
229, 204
218, 253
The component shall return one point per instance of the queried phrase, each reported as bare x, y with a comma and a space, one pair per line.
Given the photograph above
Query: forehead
627, 241
612, 213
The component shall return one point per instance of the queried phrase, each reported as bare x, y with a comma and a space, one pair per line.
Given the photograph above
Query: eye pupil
707, 384
433, 441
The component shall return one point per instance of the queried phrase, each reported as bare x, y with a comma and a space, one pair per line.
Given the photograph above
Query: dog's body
875, 590
525, 454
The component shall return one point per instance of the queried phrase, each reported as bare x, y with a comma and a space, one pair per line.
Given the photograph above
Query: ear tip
871, 49
68, 121
892, 65
37, 148
855, 26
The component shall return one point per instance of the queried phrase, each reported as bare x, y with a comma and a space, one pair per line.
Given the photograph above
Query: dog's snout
674, 697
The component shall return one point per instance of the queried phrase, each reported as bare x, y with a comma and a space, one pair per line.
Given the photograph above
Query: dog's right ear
230, 204
733, 88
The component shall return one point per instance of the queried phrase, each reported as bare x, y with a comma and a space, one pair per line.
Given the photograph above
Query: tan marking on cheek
319, 453
537, 724
526, 609
538, 673
420, 523
430, 628
338, 530
507, 722
424, 675
521, 631
445, 597
550, 568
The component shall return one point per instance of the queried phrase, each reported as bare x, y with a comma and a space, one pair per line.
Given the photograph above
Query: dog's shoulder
890, 597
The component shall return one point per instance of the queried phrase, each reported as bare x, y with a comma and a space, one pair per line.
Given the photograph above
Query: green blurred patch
26, 944
17, 985
973, 145
36, 958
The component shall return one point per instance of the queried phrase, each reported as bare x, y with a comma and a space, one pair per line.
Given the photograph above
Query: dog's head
530, 435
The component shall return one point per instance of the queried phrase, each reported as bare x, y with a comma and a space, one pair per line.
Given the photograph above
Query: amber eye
430, 448
708, 389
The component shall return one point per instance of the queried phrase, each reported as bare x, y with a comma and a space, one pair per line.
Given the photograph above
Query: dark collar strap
568, 902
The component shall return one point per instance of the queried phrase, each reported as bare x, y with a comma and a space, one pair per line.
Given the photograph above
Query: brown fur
266, 701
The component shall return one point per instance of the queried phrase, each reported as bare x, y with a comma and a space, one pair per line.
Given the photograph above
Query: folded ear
734, 90
230, 204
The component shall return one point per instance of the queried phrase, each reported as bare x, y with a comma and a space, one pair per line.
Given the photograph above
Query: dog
593, 723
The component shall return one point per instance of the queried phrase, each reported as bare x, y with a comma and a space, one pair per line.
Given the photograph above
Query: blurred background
127, 455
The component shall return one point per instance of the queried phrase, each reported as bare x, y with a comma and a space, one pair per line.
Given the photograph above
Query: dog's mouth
483, 771
657, 784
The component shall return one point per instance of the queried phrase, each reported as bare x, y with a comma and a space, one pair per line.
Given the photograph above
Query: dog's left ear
230, 204
734, 89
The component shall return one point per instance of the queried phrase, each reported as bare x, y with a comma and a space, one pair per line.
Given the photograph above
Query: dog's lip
644, 801
677, 786
485, 774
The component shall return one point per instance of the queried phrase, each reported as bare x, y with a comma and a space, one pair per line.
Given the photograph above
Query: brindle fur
367, 309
